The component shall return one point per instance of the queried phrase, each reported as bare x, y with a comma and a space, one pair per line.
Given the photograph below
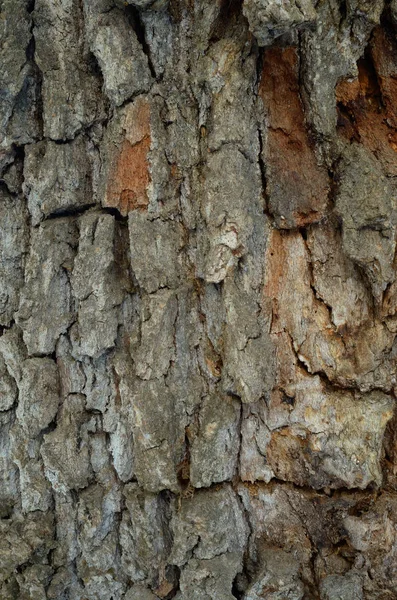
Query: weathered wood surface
198, 299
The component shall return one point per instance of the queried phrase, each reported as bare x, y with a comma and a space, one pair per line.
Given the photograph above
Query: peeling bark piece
337, 280
13, 351
159, 36
118, 417
227, 73
370, 9
133, 173
13, 246
139, 592
297, 186
103, 587
23, 538
232, 212
65, 581
71, 89
279, 579
342, 586
297, 522
367, 204
57, 178
383, 52
71, 375
98, 540
328, 57
65, 452
102, 467
372, 533
122, 448
213, 452
252, 375
36, 493
100, 387
276, 521
8, 388
24, 125
355, 359
351, 463
184, 377
35, 490
255, 437
288, 277
328, 438
15, 78
34, 581
208, 525
38, 395
214, 311
12, 174
113, 41
9, 476
98, 284
66, 550
159, 435
156, 350
46, 308
208, 579
248, 359
268, 19
143, 537
155, 247
128, 176
182, 145
367, 110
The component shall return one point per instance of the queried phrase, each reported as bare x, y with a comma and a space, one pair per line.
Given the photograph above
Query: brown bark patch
129, 176
296, 185
286, 456
367, 106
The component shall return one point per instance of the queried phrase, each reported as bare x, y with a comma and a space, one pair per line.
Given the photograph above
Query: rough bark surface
198, 299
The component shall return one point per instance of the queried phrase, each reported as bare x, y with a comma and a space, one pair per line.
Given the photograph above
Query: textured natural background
198, 299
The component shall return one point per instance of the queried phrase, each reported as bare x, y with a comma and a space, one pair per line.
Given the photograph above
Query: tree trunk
198, 299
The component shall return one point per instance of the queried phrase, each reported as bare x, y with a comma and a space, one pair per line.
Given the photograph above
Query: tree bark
198, 299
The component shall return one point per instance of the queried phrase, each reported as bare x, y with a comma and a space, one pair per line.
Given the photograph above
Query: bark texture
198, 299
